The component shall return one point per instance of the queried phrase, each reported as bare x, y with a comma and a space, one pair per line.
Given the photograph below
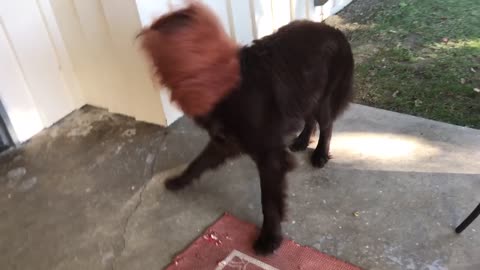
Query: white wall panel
139, 97
63, 57
242, 21
263, 13
37, 58
299, 9
100, 38
15, 93
281, 13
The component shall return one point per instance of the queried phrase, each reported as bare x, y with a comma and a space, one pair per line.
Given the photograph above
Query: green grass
419, 57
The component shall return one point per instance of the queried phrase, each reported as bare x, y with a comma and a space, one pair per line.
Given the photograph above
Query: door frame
7, 133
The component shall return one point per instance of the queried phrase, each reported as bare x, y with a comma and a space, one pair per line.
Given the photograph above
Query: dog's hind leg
321, 154
302, 141
327, 113
211, 157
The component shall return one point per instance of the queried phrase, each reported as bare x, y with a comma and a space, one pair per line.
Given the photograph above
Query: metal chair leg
468, 220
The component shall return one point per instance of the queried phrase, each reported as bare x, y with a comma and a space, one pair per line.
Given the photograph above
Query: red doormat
227, 245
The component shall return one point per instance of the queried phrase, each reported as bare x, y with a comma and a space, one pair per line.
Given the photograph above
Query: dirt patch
413, 41
359, 11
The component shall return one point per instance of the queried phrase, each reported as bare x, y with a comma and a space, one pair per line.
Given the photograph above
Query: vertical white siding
263, 17
242, 21
258, 18
100, 38
15, 92
37, 58
281, 13
299, 9
33, 83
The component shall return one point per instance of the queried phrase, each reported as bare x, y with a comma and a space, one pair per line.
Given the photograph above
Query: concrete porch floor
87, 193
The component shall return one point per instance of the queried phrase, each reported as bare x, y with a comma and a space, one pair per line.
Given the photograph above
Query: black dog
300, 74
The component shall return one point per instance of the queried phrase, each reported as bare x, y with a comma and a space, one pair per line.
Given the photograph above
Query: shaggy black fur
301, 74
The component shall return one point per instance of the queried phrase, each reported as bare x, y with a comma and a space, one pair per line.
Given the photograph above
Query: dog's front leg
214, 154
273, 168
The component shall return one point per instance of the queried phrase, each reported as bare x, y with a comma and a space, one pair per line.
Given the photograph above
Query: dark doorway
7, 136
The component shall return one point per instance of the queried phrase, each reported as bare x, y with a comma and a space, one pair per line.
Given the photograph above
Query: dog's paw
177, 183
298, 145
320, 159
267, 243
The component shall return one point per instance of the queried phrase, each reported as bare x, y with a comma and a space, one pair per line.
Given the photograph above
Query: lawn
420, 57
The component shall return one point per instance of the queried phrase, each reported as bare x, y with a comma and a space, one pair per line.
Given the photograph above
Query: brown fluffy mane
193, 56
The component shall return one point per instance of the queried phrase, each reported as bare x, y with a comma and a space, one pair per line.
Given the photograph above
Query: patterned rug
227, 245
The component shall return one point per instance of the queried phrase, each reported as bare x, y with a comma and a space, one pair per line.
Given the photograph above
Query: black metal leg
468, 220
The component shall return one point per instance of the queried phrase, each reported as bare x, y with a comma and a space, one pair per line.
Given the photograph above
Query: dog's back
302, 72
304, 64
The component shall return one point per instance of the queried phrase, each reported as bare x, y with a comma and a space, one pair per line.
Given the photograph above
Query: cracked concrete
388, 200
71, 218
138, 200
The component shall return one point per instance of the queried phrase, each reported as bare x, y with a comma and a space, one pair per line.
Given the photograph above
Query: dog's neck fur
244, 57
193, 56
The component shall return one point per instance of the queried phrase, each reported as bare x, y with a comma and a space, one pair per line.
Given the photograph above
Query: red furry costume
199, 63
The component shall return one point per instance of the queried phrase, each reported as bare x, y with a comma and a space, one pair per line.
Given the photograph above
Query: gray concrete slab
88, 194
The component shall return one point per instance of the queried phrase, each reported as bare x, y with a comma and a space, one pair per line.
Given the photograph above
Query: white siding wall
100, 38
15, 94
33, 85
57, 55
